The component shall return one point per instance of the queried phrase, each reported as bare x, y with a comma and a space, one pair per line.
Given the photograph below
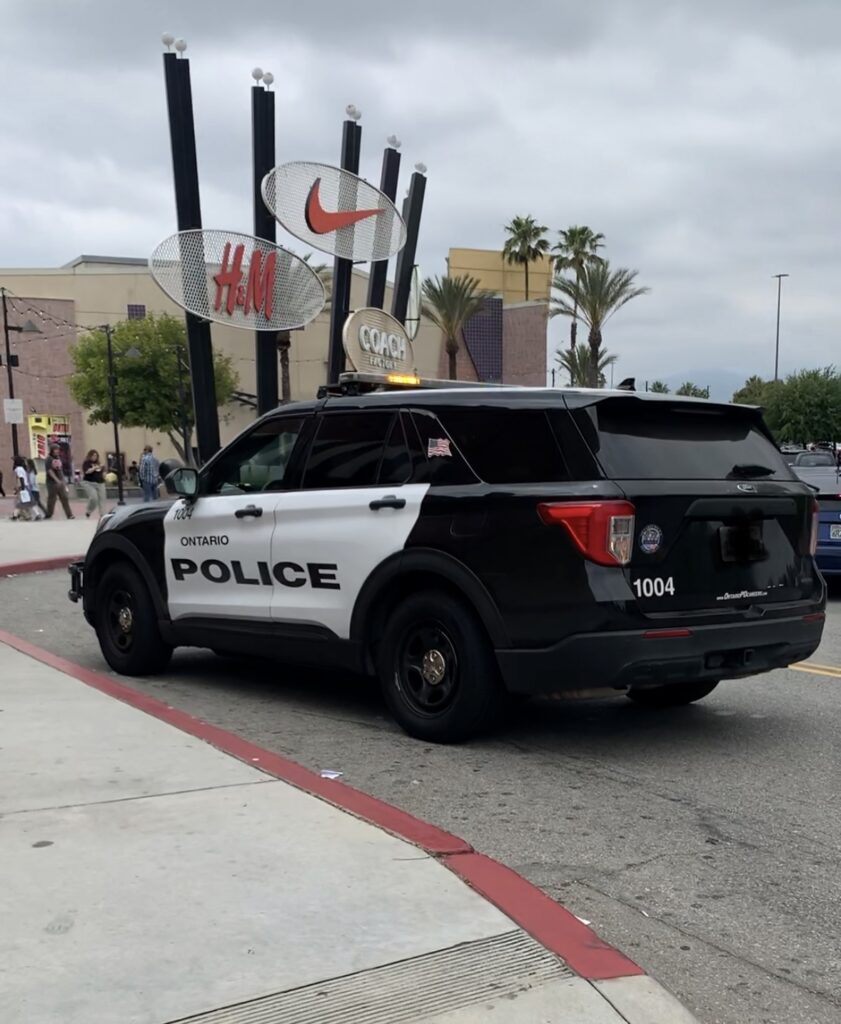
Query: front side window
257, 462
348, 450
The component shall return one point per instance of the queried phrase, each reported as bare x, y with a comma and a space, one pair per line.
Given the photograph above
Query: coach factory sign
375, 342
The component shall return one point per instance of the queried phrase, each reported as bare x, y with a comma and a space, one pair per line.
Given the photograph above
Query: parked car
827, 485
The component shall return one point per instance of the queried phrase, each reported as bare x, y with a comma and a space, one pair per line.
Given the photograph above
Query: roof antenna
628, 384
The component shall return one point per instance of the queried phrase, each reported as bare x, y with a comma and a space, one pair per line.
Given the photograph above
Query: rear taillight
603, 531
813, 539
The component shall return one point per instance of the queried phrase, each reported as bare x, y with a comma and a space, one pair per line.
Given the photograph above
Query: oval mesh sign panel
335, 211
238, 280
376, 342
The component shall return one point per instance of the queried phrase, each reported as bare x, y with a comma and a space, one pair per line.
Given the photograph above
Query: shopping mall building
505, 343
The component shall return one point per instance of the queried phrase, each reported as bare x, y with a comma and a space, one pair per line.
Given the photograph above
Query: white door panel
218, 564
328, 542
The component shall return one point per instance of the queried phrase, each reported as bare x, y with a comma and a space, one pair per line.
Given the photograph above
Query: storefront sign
335, 211
238, 280
375, 342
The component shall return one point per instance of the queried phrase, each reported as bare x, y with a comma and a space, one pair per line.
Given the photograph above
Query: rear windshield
641, 440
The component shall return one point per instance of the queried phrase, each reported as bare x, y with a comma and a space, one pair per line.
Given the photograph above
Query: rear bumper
624, 659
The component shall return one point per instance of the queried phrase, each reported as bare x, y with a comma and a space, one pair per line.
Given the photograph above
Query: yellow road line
817, 670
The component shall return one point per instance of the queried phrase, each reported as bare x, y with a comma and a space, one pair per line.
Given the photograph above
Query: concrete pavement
157, 878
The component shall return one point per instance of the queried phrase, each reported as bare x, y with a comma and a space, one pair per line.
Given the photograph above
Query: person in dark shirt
93, 480
56, 487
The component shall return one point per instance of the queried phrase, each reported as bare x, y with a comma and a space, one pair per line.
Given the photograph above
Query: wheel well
397, 590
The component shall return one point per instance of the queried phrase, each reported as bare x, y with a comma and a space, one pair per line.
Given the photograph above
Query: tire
429, 635
673, 696
127, 625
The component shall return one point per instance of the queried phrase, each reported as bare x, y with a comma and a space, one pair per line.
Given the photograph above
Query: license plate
835, 532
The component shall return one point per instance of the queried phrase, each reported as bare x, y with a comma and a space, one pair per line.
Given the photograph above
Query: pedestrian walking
23, 502
2, 492
93, 481
56, 487
35, 489
149, 472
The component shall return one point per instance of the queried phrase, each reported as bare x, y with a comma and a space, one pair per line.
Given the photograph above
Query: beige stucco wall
101, 293
496, 275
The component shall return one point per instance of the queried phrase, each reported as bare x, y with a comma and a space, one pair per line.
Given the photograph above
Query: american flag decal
438, 446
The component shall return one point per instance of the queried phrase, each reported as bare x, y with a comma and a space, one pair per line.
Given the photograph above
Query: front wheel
673, 696
438, 671
126, 623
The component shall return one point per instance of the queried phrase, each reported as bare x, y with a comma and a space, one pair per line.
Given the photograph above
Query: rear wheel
437, 670
127, 625
672, 696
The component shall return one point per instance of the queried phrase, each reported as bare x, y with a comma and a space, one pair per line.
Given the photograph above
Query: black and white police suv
467, 543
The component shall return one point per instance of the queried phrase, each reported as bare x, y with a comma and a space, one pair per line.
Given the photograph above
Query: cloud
703, 140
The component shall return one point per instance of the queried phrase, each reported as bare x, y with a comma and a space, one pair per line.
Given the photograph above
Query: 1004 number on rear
654, 586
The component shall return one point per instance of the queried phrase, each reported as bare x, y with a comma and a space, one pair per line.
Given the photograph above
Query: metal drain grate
411, 989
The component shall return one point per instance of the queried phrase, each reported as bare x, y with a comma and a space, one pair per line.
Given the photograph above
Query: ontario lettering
319, 575
219, 540
256, 293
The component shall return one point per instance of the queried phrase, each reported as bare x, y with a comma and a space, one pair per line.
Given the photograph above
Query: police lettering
319, 575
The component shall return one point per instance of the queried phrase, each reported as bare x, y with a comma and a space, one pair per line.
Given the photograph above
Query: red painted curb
536, 913
38, 565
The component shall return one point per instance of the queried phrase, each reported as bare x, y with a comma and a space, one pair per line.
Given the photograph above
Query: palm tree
284, 338
578, 363
525, 244
578, 247
595, 297
658, 387
450, 302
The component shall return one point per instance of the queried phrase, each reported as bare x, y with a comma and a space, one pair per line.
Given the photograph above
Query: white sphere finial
181, 45
420, 168
168, 39
257, 74
394, 142
353, 112
268, 78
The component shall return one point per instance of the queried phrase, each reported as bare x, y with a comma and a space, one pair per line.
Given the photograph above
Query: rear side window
638, 440
507, 446
348, 449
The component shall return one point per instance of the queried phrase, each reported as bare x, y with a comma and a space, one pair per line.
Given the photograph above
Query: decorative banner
238, 280
335, 211
377, 343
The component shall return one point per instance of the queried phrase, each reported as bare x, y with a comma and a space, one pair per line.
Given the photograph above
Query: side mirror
183, 481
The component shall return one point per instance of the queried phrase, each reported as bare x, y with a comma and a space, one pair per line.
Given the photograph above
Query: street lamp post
28, 328
779, 278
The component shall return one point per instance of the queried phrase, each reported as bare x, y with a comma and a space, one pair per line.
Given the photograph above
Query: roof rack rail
363, 383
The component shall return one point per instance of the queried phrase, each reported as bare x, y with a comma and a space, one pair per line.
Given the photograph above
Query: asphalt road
705, 842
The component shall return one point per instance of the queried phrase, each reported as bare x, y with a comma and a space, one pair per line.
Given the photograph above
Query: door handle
249, 510
389, 501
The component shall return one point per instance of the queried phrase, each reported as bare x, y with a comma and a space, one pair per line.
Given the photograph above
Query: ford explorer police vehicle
465, 544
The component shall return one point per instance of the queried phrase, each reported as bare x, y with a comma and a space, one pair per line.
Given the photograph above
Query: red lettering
229, 277
259, 291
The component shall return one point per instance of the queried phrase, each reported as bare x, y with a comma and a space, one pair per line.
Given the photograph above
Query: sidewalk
151, 877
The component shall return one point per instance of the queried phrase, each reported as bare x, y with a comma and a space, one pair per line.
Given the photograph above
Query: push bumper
658, 657
77, 581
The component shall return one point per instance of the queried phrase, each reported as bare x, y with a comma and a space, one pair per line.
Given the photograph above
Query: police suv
468, 543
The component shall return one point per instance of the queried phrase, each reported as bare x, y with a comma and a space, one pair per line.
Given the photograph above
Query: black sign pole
263, 150
388, 185
182, 134
342, 268
412, 210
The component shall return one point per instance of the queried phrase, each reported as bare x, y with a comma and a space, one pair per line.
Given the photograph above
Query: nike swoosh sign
321, 221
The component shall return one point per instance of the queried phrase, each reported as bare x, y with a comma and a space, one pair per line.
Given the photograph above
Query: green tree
526, 242
754, 391
578, 247
690, 390
578, 363
450, 302
657, 387
807, 406
597, 294
153, 388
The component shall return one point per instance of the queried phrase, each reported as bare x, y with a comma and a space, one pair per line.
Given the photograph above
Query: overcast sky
703, 140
